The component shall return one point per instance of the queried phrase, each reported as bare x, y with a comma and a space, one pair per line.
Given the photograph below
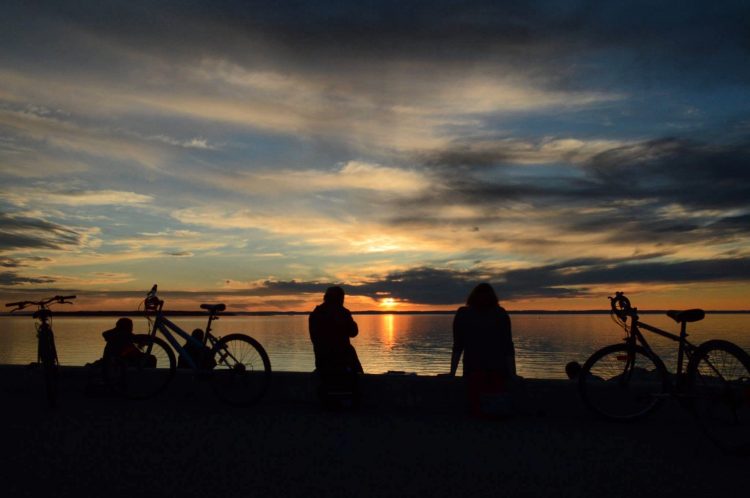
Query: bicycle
625, 382
46, 351
236, 364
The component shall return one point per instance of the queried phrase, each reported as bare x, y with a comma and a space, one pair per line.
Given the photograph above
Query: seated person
573, 370
119, 340
331, 326
201, 355
336, 361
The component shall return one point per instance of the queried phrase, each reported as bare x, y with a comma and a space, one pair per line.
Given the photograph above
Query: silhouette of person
120, 340
331, 326
482, 333
573, 370
201, 355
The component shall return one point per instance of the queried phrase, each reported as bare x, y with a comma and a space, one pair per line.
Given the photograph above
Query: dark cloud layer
440, 286
636, 186
543, 38
704, 175
23, 232
9, 278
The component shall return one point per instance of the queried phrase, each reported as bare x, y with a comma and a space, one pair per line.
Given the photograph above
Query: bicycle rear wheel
144, 374
243, 370
623, 383
719, 394
48, 358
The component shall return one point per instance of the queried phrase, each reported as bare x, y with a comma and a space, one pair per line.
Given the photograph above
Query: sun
388, 302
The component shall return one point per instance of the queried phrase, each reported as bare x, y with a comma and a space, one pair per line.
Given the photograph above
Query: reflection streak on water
412, 343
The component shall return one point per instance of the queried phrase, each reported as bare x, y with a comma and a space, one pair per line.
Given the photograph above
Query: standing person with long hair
482, 333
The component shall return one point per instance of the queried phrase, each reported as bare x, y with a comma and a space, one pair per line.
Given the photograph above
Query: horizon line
107, 313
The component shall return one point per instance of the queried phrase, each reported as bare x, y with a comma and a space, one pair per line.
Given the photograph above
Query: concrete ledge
410, 438
384, 392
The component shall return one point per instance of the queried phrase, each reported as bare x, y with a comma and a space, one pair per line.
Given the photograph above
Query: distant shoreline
112, 313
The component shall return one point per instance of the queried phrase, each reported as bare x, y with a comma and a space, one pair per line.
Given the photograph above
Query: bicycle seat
214, 308
694, 315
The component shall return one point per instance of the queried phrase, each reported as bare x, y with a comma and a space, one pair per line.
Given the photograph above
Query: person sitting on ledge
573, 370
482, 333
120, 340
331, 327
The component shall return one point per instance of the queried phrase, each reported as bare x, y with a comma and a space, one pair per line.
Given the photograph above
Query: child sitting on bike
200, 354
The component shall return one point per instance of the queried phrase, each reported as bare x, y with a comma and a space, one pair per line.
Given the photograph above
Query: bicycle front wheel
48, 358
622, 382
242, 372
719, 394
143, 373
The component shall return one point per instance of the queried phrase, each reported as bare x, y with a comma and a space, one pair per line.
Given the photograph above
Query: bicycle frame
44, 331
168, 329
685, 348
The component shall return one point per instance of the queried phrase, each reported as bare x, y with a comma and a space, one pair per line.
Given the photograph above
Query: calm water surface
411, 343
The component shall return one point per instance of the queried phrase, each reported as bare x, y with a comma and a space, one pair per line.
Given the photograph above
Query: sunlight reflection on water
411, 343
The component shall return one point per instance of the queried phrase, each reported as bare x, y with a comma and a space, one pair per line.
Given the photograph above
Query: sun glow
388, 303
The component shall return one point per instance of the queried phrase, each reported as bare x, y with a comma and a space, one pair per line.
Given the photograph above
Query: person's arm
458, 342
509, 347
312, 323
511, 363
353, 328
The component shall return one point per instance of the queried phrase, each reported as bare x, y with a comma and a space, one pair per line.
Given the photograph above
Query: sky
255, 153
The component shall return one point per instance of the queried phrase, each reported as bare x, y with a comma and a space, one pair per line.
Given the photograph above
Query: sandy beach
411, 438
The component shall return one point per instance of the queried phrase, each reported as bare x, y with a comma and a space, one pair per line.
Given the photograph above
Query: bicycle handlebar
152, 302
22, 304
621, 305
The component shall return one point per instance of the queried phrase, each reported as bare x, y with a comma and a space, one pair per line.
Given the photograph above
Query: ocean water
411, 343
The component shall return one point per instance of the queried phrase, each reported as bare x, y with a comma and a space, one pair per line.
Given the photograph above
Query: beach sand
187, 443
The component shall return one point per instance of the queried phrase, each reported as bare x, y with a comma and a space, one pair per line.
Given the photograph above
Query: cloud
486, 152
544, 39
339, 233
9, 278
599, 272
567, 279
702, 175
17, 262
21, 232
179, 254
425, 285
175, 243
192, 143
21, 196
669, 191
354, 175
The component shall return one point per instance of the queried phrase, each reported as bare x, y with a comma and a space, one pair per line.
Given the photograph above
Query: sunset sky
256, 152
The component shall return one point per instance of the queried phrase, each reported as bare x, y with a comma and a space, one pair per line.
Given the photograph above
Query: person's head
197, 334
124, 325
483, 296
334, 295
573, 369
